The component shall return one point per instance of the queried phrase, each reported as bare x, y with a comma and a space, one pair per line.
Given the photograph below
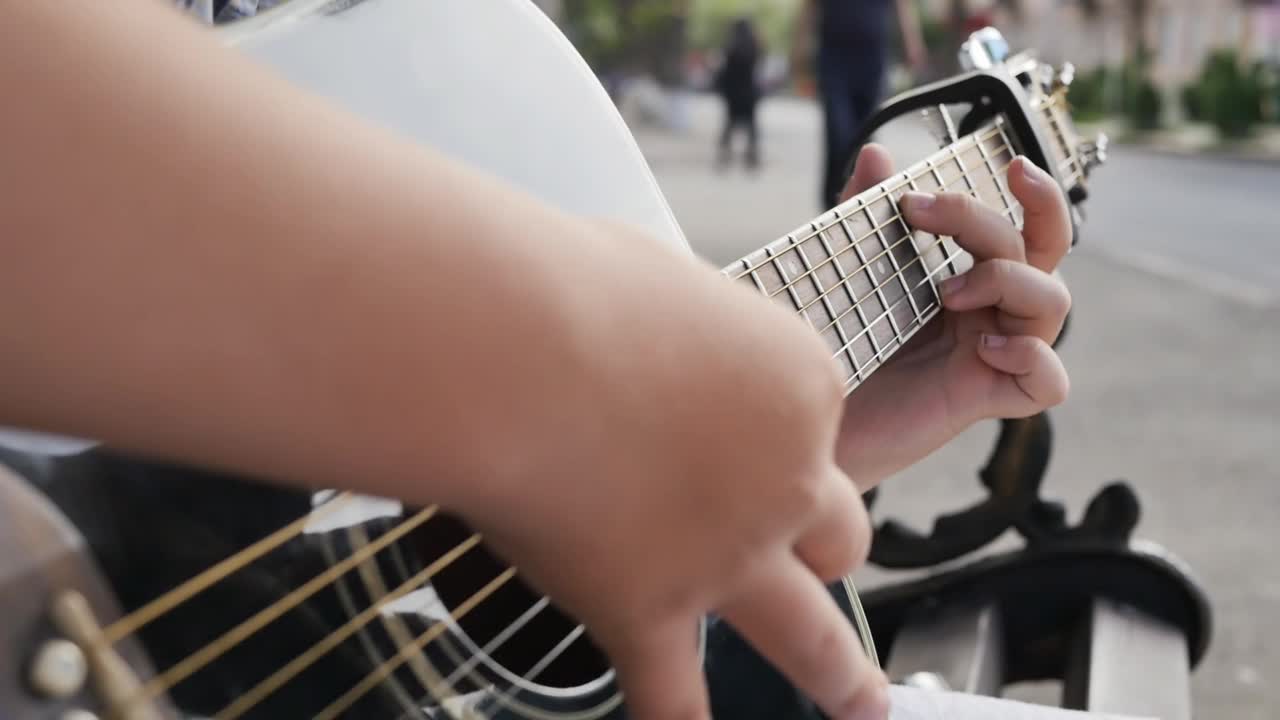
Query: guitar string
889, 280
161, 605
213, 650
380, 673
233, 637
247, 700
237, 635
136, 620
918, 320
307, 658
866, 266
843, 282
953, 149
385, 669
543, 663
131, 623
794, 245
882, 192
856, 305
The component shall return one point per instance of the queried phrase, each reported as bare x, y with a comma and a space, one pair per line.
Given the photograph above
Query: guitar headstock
1046, 88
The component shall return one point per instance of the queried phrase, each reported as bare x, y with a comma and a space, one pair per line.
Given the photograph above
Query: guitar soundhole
576, 665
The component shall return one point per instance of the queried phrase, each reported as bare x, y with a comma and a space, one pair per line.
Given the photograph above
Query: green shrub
1230, 97
1191, 103
1146, 105
1123, 90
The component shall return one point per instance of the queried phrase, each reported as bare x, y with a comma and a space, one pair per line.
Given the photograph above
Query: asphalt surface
1173, 353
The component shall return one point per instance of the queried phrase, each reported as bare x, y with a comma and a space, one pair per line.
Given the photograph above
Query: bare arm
222, 243
802, 36
912, 35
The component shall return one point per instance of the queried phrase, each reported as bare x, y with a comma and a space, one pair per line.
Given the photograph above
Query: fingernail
917, 200
952, 285
994, 341
1031, 172
871, 704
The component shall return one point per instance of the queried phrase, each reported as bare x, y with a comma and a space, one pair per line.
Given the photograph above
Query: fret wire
823, 294
938, 243
1005, 191
964, 172
937, 176
857, 302
789, 287
893, 261
995, 178
842, 283
973, 137
918, 324
990, 132
851, 235
937, 299
1056, 123
755, 278
915, 249
871, 220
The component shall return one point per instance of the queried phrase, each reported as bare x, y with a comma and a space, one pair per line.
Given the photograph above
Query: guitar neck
862, 278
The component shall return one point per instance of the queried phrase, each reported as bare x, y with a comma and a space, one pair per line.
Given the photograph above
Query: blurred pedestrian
738, 85
850, 62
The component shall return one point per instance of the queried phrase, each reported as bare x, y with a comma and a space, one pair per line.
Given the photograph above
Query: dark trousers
740, 115
850, 82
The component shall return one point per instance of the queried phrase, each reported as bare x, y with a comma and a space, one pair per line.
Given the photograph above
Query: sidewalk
1175, 389
1195, 140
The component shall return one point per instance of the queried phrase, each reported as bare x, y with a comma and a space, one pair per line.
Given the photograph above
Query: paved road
1173, 356
1213, 223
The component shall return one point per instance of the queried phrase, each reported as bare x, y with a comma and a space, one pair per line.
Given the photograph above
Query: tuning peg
1095, 153
1066, 75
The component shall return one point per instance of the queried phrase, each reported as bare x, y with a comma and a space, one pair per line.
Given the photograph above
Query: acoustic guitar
138, 590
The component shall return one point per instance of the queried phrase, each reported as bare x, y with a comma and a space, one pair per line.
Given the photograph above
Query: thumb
659, 672
874, 165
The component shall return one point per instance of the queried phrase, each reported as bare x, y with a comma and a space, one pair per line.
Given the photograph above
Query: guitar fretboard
863, 279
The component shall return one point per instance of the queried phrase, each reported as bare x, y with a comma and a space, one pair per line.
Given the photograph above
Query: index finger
789, 616
873, 166
1046, 227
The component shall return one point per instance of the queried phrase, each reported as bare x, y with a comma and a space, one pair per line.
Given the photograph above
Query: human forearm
233, 248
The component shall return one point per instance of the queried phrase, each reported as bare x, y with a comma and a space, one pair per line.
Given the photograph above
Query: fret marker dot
881, 267
794, 266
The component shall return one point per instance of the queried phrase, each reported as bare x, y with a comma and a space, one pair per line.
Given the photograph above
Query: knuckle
1002, 270
860, 545
958, 204
825, 652
1056, 383
1063, 300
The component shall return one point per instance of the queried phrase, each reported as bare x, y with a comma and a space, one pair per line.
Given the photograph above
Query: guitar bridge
118, 688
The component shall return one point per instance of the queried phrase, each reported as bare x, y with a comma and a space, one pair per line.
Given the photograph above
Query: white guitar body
492, 82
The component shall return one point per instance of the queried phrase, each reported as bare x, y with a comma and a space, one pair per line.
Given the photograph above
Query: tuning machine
1065, 75
984, 49
1094, 153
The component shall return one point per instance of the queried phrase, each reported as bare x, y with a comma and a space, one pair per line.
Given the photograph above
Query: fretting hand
990, 355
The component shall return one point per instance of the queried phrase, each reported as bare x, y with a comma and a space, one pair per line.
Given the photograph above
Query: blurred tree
710, 19
629, 35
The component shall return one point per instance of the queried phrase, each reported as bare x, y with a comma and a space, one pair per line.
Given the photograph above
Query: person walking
737, 83
850, 64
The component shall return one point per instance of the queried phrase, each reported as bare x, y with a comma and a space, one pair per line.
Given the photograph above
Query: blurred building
1178, 33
